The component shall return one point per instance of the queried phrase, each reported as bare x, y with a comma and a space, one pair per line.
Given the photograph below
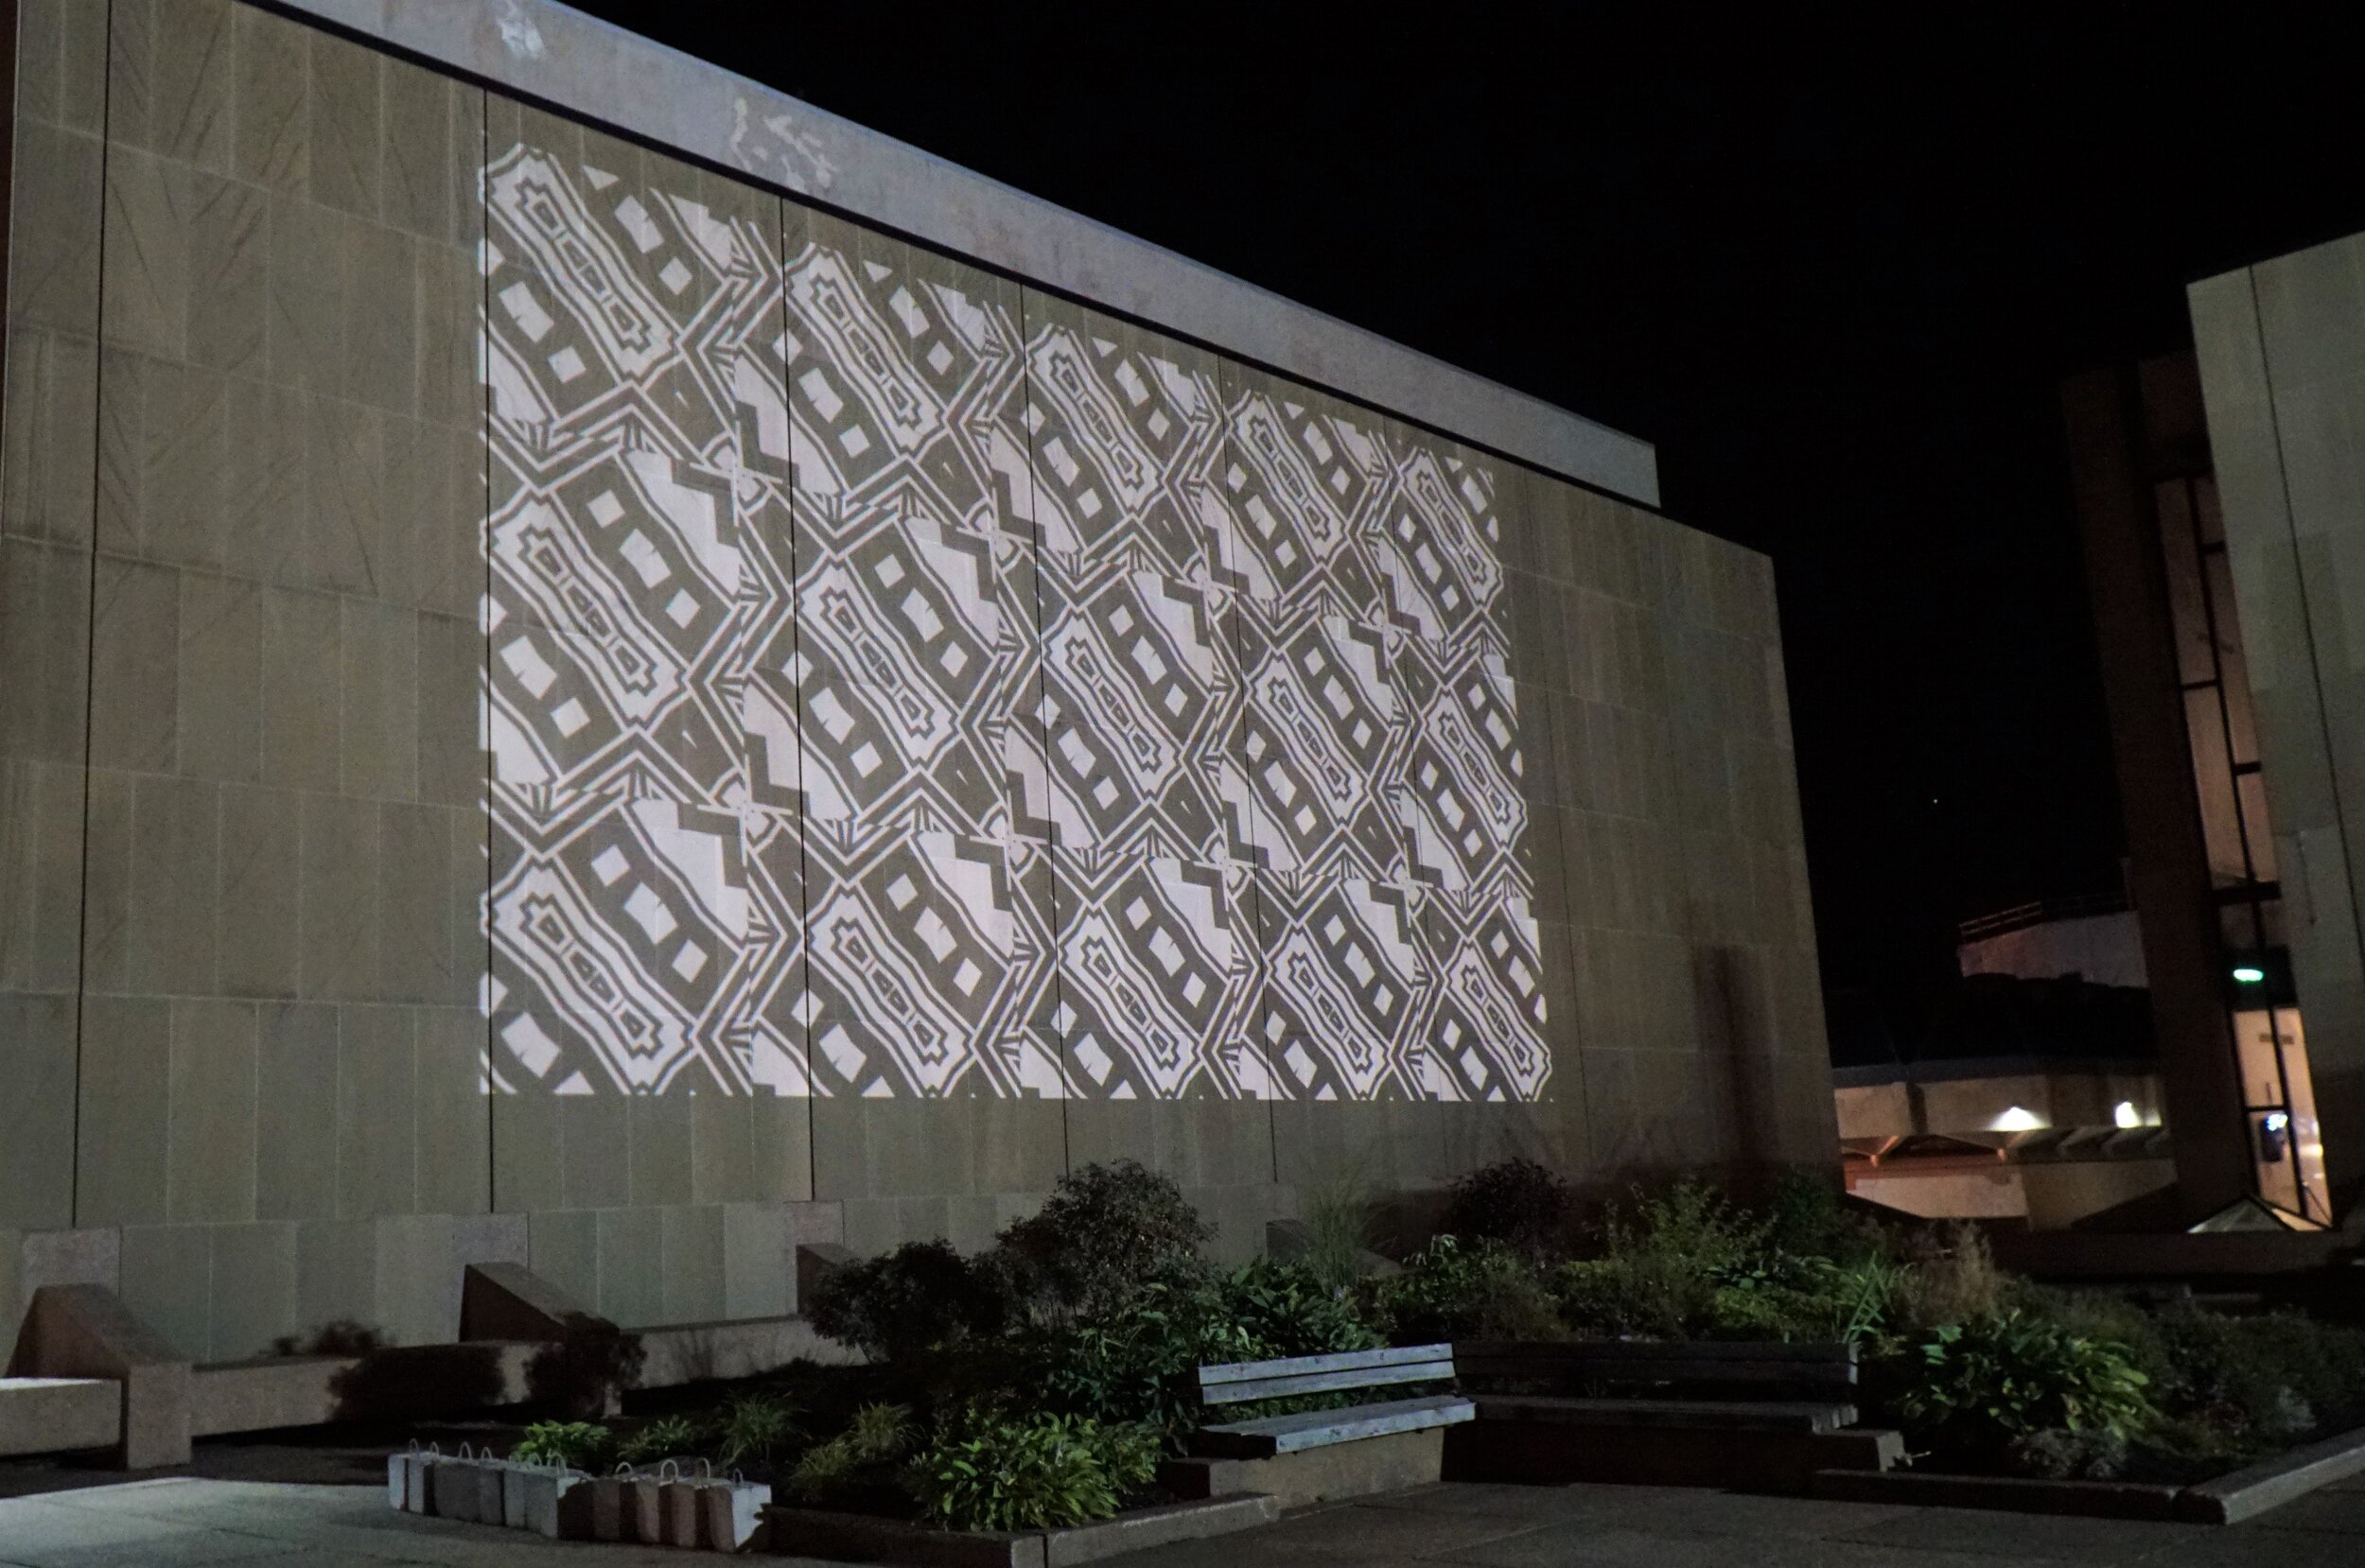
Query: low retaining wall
1362, 1468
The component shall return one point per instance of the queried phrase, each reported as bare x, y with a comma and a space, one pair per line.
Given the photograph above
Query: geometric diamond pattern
901, 684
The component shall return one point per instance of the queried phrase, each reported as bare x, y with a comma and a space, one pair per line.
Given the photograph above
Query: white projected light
2017, 1119
2126, 1115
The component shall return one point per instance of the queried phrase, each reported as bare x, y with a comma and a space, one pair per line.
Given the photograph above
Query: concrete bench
1242, 1382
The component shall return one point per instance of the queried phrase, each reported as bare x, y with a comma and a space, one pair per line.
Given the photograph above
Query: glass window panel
2213, 788
2232, 668
2252, 790
2272, 931
2188, 609
2255, 1052
2306, 1133
2206, 511
2270, 1147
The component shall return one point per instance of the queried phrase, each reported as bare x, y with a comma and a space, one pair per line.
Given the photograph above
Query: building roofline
596, 71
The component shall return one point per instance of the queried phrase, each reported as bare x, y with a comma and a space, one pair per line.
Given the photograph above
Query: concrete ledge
864, 1537
1920, 1488
510, 1301
47, 1415
1701, 1456
736, 1347
1362, 1468
2246, 1493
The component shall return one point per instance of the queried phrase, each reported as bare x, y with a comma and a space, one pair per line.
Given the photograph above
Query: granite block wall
558, 706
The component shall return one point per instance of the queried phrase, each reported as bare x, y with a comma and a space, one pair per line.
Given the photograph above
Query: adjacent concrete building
2282, 357
602, 670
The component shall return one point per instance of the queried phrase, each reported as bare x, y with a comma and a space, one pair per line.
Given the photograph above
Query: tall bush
916, 1298
1105, 1232
1516, 1201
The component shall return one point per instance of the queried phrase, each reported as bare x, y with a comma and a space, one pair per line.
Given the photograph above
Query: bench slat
1662, 1372
1390, 1355
1653, 1349
1274, 1435
1751, 1415
1325, 1382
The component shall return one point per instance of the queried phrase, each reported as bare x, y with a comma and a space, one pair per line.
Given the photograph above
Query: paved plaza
162, 1524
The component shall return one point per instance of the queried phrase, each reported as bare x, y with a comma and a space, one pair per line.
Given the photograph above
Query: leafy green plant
878, 1436
1137, 1364
916, 1298
584, 1445
1516, 1201
1977, 1386
1950, 1276
2057, 1453
1105, 1233
1453, 1290
753, 1429
1339, 1229
1032, 1473
667, 1437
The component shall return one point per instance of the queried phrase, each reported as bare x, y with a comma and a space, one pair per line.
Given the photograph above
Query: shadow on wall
419, 1380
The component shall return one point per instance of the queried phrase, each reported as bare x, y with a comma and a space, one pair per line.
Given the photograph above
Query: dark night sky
1836, 271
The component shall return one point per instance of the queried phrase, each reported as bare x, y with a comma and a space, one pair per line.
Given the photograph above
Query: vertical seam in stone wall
2307, 627
796, 642
90, 612
1036, 698
484, 635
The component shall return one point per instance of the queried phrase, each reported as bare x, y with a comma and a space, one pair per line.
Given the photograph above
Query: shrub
1137, 1364
1975, 1387
2275, 1376
1287, 1308
1950, 1276
753, 1429
1104, 1233
667, 1437
1516, 1202
1449, 1290
1032, 1473
916, 1298
2057, 1453
878, 1436
586, 1368
1339, 1231
583, 1445
342, 1338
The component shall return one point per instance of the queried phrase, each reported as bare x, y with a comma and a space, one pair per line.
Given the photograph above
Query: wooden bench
1705, 1369
1240, 1382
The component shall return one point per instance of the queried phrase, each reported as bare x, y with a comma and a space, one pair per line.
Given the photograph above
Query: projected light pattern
890, 693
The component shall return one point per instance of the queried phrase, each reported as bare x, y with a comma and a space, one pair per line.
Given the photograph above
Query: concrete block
508, 1300
86, 1332
815, 1261
50, 1415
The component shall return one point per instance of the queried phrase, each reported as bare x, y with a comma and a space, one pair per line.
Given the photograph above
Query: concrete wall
2281, 351
469, 792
